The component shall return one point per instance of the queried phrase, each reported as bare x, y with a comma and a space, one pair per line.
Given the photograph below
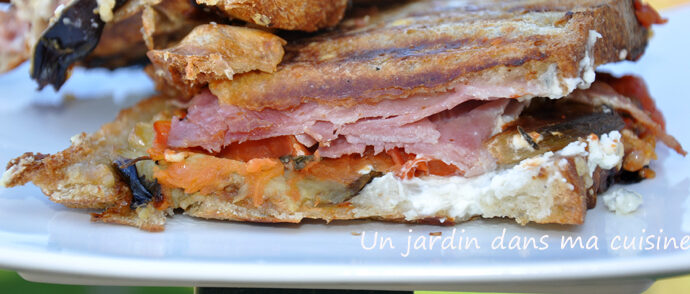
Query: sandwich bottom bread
552, 158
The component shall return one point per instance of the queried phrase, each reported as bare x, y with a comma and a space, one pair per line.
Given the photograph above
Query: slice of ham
323, 123
440, 127
462, 137
450, 127
461, 130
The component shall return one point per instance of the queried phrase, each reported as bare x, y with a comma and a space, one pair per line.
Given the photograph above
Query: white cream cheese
587, 75
605, 153
583, 80
515, 191
518, 142
587, 63
574, 148
550, 80
622, 201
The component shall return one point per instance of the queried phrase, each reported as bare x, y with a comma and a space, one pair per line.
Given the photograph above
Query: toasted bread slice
81, 176
216, 51
487, 48
303, 15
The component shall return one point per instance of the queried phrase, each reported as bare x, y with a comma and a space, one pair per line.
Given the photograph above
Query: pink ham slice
206, 119
462, 132
439, 127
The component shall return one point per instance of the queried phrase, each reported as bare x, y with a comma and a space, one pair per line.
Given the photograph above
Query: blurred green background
11, 282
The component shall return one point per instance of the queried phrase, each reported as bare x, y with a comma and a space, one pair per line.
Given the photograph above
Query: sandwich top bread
427, 111
57, 34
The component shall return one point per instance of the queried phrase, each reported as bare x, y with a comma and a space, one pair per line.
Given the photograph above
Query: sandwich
59, 34
424, 112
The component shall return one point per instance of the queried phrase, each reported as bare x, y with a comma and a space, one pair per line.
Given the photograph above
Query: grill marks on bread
431, 46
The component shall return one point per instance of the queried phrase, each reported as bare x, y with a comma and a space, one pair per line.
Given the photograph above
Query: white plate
50, 243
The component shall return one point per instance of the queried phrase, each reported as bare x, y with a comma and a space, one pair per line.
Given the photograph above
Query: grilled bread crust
431, 46
303, 15
216, 51
81, 176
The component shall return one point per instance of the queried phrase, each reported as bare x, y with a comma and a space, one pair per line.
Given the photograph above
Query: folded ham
439, 127
451, 127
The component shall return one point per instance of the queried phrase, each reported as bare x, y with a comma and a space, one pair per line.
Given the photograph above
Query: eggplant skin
143, 191
68, 40
542, 130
